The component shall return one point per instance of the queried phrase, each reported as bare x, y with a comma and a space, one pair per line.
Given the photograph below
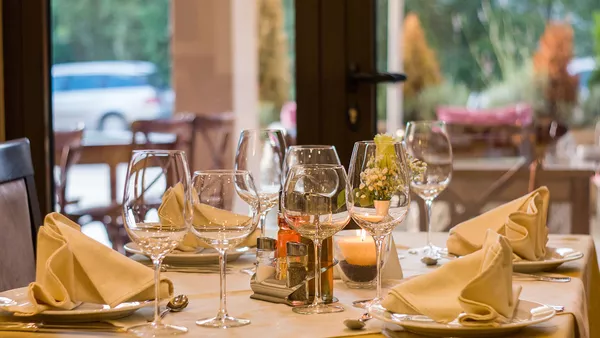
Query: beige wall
214, 54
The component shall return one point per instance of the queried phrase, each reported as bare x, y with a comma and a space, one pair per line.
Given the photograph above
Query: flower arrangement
382, 176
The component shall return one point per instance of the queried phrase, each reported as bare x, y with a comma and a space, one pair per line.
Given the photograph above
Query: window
59, 83
83, 82
117, 81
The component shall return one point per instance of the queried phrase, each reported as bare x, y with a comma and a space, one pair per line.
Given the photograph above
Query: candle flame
363, 235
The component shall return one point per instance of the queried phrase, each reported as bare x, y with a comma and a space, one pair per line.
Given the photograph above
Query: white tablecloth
277, 320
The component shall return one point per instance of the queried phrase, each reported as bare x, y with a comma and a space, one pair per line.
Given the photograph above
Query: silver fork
563, 279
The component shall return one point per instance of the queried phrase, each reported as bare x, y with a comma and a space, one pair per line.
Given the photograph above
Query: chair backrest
215, 132
20, 212
180, 126
67, 146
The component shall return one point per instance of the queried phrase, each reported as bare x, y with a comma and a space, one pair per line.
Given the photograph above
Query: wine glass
157, 210
313, 203
227, 210
309, 154
261, 152
429, 143
378, 192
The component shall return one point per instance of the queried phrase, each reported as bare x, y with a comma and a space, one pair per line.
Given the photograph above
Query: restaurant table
477, 182
579, 296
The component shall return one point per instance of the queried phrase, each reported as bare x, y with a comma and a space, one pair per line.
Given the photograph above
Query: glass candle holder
356, 252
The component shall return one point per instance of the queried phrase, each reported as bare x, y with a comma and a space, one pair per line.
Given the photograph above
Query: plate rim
79, 312
240, 250
445, 327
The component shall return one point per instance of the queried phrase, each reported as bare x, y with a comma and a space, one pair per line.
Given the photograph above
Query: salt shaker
265, 258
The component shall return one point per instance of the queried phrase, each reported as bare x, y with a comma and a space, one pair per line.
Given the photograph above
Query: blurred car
104, 95
582, 67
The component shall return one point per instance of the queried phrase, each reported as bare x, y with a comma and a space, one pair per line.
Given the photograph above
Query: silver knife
55, 328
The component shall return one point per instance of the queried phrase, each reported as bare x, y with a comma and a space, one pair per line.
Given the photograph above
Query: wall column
215, 62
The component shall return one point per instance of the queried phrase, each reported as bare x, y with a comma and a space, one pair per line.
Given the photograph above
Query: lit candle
359, 249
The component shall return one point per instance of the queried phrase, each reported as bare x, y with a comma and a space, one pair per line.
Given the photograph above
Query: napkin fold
171, 208
72, 267
477, 288
522, 221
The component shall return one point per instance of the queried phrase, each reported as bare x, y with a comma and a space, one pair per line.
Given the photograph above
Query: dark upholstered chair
19, 215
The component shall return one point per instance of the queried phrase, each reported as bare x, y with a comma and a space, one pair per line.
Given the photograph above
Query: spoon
429, 261
176, 304
357, 324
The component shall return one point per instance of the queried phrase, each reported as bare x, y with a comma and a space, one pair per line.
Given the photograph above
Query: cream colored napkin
476, 288
72, 267
522, 221
171, 211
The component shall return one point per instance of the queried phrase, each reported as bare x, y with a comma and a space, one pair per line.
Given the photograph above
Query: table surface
277, 320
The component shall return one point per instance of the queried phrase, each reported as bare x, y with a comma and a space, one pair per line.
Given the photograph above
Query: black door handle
356, 77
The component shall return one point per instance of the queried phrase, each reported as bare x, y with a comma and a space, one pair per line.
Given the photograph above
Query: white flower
370, 188
362, 186
363, 196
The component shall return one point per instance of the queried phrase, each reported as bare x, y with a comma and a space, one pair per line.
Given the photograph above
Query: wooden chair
67, 146
20, 212
215, 131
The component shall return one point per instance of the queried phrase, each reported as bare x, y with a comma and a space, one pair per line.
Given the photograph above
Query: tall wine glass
261, 152
428, 142
378, 192
157, 210
309, 154
227, 211
313, 203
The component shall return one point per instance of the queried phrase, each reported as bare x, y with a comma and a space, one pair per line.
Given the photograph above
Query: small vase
382, 207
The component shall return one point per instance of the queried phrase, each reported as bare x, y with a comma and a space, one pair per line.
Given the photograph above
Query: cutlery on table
357, 324
176, 304
60, 328
562, 279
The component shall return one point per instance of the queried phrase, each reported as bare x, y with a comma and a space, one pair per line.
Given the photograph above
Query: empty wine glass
309, 154
429, 143
313, 203
261, 152
378, 192
227, 211
157, 209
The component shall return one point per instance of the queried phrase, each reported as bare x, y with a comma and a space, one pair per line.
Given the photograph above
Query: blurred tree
91, 30
595, 77
420, 64
552, 57
273, 58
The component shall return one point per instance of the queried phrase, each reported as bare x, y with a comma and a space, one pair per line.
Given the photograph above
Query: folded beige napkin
478, 287
522, 221
72, 267
204, 215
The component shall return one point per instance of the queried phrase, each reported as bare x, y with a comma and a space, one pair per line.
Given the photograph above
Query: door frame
27, 100
330, 36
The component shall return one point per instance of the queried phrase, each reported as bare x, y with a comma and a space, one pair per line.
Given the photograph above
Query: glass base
224, 322
429, 251
156, 330
249, 271
364, 303
318, 309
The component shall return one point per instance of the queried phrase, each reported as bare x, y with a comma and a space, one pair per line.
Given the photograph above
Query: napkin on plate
522, 221
72, 267
171, 211
478, 287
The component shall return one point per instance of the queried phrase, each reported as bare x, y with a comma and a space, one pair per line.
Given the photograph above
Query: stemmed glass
228, 207
309, 154
428, 142
378, 192
157, 210
261, 152
313, 203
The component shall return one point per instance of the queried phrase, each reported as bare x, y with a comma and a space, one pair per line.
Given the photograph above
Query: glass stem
428, 204
263, 224
223, 290
317, 246
379, 254
157, 263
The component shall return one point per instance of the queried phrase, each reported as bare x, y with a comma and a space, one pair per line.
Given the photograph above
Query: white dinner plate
84, 312
206, 256
554, 258
527, 313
